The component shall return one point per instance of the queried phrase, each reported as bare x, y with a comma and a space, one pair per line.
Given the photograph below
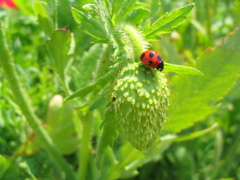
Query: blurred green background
212, 156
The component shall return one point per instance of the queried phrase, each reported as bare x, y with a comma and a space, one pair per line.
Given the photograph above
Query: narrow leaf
82, 92
168, 22
195, 95
181, 69
175, 138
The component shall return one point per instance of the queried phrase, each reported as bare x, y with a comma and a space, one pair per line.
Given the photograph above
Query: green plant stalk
115, 171
65, 86
135, 41
85, 145
22, 100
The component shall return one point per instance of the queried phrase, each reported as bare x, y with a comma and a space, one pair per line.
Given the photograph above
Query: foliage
75, 98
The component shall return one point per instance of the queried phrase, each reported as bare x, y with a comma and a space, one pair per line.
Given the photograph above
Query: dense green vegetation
77, 103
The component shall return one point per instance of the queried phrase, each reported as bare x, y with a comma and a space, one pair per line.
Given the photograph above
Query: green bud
141, 100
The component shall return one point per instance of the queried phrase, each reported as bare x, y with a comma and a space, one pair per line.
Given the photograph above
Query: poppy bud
141, 101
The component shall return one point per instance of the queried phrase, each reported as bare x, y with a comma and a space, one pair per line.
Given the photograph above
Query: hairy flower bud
140, 100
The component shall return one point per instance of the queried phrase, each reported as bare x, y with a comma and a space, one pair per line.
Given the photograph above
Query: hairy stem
23, 101
133, 41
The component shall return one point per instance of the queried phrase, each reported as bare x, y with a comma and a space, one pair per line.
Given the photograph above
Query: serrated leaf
120, 9
168, 22
126, 8
40, 9
195, 96
181, 69
59, 47
89, 24
98, 85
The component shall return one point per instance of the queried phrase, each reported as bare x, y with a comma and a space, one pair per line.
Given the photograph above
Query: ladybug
152, 59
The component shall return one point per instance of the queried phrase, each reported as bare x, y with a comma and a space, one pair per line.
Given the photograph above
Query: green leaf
195, 96
88, 64
234, 93
125, 8
181, 69
100, 101
89, 24
82, 92
175, 138
59, 47
153, 15
122, 9
136, 16
168, 22
40, 9
98, 85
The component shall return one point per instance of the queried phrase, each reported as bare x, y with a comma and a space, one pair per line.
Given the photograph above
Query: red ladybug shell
152, 59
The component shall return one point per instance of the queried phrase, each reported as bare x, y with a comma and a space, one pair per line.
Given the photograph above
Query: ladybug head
160, 66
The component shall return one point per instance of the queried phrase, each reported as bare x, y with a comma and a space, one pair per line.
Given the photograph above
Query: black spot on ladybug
160, 66
159, 58
151, 54
142, 56
150, 63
